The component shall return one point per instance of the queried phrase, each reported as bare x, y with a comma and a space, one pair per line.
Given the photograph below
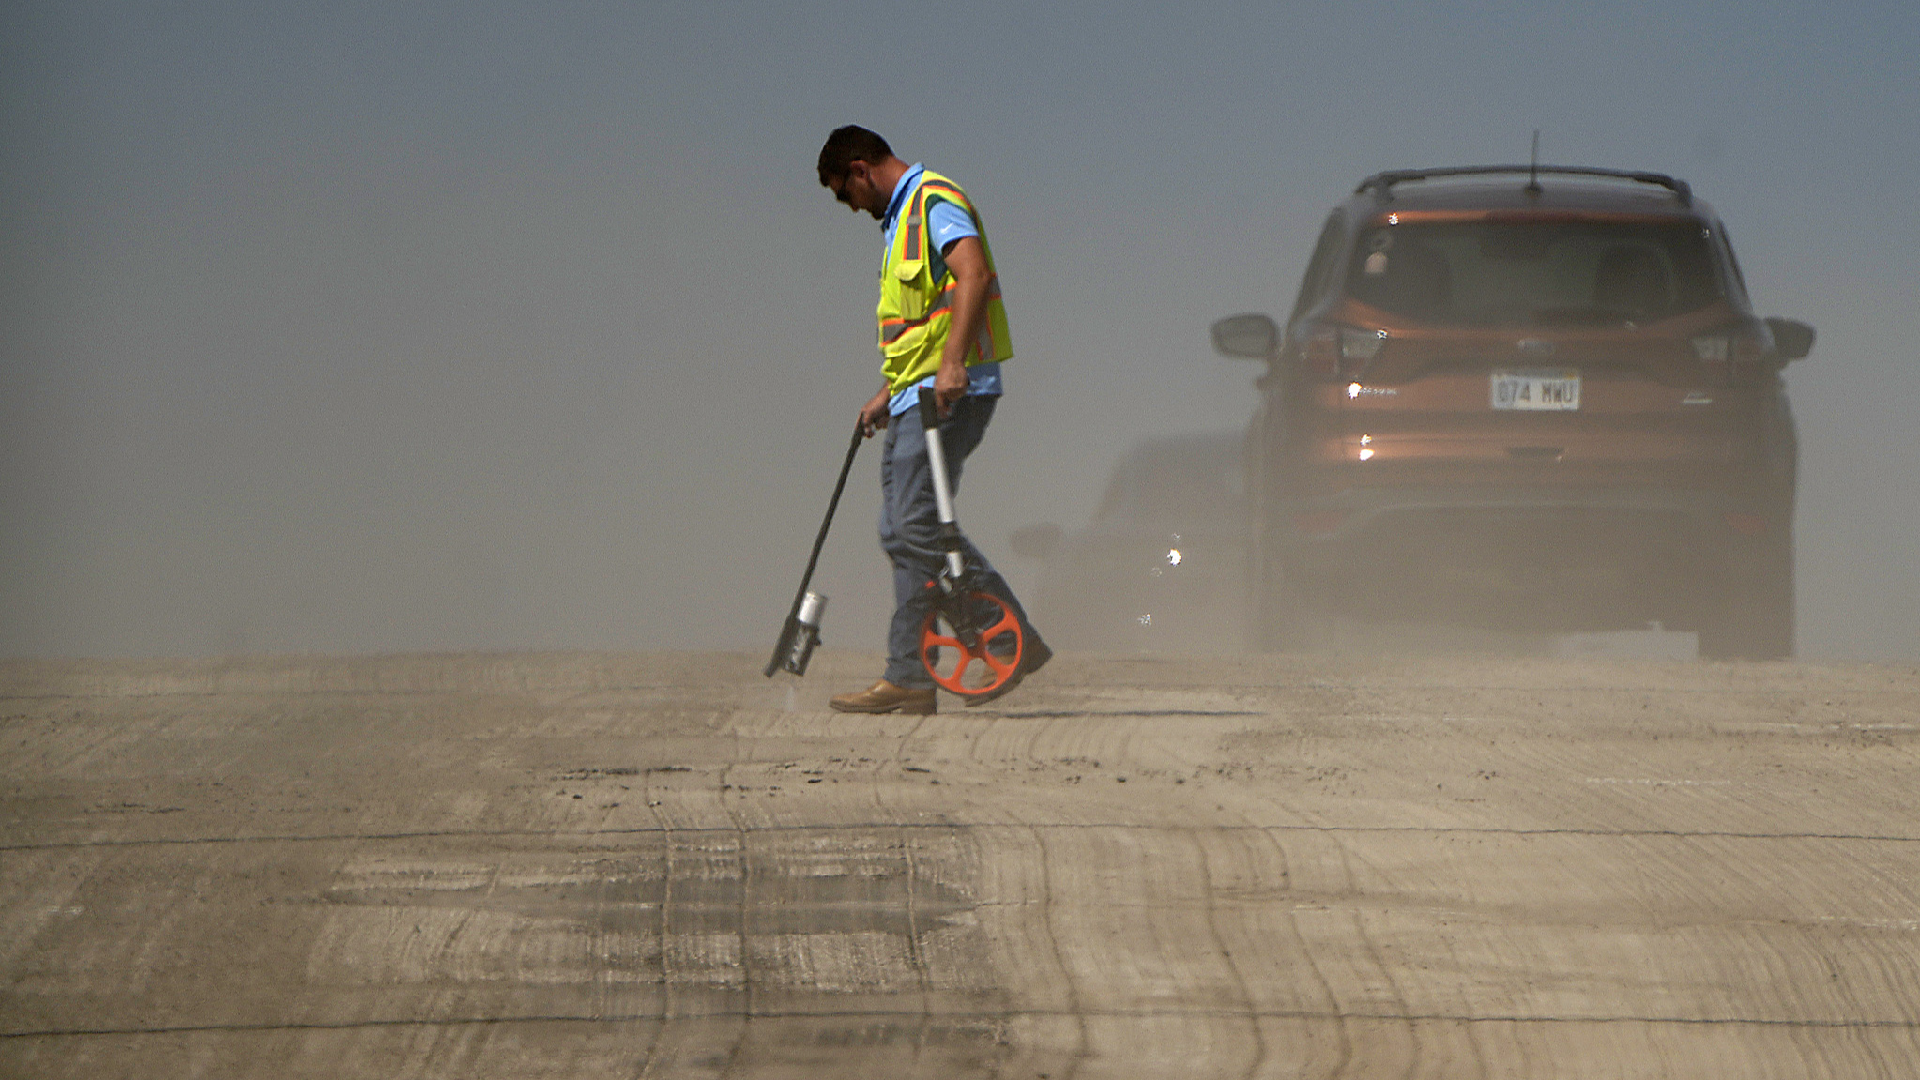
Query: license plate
1550, 390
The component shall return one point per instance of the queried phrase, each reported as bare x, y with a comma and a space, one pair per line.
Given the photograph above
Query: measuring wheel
985, 666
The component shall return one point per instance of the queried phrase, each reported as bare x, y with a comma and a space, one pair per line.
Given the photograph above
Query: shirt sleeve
946, 223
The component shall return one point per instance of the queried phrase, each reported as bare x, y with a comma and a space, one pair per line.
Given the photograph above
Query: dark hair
847, 145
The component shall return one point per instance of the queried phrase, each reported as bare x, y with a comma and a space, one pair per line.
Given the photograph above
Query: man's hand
873, 415
949, 386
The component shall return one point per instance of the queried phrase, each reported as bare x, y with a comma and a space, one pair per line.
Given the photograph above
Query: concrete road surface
666, 866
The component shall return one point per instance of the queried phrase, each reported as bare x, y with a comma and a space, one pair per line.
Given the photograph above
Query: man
941, 325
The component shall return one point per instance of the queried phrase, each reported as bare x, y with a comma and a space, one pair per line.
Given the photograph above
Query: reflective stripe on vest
891, 329
913, 223
915, 314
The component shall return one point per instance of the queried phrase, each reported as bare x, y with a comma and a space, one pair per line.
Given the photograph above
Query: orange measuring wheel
986, 666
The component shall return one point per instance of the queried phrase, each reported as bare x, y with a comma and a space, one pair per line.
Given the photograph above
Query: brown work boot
884, 697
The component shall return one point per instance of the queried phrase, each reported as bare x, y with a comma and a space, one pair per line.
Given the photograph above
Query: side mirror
1791, 340
1036, 541
1254, 337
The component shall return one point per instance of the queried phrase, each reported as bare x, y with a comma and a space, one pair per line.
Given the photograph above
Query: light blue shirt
946, 223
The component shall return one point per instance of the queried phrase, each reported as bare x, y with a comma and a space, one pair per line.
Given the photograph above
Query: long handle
942, 491
785, 644
853, 448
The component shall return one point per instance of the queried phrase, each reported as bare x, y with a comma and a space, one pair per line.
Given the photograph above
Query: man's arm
967, 260
873, 415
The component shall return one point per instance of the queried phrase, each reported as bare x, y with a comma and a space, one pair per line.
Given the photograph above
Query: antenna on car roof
1533, 165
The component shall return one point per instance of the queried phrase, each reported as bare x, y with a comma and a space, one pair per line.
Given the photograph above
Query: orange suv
1530, 396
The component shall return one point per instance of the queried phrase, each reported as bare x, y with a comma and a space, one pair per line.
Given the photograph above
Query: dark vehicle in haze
1524, 396
1160, 568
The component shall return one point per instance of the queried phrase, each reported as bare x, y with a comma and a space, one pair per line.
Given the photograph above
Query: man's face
858, 191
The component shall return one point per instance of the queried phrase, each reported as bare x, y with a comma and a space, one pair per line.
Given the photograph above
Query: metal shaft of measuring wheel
942, 491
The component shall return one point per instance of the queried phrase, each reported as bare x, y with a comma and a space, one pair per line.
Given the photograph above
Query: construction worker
941, 325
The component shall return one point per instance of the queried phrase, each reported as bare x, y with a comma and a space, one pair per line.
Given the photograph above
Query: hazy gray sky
347, 327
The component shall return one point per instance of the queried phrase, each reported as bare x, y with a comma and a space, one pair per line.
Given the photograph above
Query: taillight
1332, 349
1733, 348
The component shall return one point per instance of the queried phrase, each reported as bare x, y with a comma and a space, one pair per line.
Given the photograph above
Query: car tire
1754, 618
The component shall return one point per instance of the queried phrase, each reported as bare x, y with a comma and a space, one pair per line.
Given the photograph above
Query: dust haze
344, 328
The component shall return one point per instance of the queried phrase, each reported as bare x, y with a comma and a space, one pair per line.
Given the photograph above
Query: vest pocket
911, 302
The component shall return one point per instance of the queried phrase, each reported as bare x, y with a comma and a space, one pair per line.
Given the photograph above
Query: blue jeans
910, 530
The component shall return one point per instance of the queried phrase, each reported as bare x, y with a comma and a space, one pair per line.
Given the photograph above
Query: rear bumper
1593, 557
1361, 512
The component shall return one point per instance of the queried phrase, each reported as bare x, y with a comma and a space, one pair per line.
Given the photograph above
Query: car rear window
1540, 272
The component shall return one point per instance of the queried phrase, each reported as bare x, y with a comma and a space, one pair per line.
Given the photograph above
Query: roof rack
1382, 183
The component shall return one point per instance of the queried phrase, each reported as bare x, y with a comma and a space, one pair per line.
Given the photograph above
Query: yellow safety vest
916, 290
